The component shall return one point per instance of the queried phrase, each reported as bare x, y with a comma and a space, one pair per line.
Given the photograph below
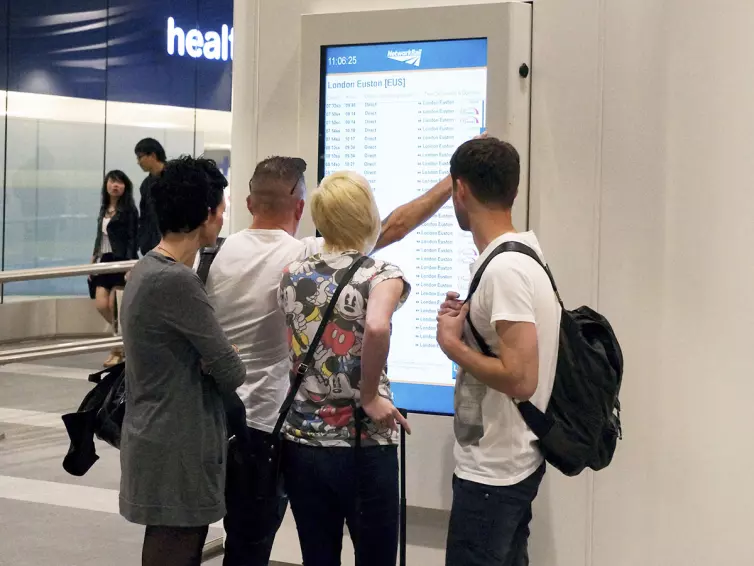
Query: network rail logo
410, 56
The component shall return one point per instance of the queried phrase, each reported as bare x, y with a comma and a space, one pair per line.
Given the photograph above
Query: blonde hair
345, 212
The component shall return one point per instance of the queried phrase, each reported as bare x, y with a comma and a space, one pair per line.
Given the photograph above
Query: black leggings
173, 546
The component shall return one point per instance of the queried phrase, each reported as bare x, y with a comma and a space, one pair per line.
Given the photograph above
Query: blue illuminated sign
172, 53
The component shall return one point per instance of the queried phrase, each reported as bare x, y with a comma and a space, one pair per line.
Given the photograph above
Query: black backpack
581, 426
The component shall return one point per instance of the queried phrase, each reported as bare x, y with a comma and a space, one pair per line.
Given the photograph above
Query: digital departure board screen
396, 113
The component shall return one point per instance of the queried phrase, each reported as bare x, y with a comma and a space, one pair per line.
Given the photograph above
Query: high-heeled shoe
116, 357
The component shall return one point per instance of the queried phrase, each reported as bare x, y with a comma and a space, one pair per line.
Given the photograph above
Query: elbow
232, 378
401, 229
239, 376
524, 388
232, 383
377, 330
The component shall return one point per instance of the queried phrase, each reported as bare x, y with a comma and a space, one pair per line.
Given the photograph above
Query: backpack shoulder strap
486, 350
479, 272
303, 367
206, 257
518, 247
509, 246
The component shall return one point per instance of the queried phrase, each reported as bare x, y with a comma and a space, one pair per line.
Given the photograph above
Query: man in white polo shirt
243, 285
498, 465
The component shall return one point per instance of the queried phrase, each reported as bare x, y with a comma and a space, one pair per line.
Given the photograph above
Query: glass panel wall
81, 82
4, 6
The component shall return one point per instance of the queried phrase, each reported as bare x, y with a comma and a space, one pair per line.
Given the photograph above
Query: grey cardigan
173, 445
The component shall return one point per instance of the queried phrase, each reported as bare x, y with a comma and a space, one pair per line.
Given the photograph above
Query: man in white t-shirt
498, 465
242, 285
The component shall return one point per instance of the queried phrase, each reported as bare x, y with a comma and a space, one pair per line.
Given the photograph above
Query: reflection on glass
4, 5
3, 99
80, 97
53, 174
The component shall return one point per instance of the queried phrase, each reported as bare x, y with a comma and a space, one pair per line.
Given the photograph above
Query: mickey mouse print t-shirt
323, 411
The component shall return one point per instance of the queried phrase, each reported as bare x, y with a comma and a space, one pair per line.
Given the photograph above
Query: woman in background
180, 368
328, 483
115, 241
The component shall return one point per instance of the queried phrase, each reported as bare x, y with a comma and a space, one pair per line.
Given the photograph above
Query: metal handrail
55, 351
46, 347
65, 271
213, 548
68, 348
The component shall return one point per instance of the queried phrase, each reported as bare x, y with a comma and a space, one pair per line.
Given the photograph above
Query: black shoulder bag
267, 480
101, 414
206, 257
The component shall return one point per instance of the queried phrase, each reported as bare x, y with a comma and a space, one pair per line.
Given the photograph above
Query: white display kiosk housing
391, 94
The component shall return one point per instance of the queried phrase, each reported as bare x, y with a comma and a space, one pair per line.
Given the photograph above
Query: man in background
150, 155
243, 287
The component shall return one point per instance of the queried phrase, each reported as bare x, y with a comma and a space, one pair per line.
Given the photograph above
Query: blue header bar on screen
448, 54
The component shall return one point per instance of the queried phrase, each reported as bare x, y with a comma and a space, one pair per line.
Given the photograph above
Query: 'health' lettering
210, 45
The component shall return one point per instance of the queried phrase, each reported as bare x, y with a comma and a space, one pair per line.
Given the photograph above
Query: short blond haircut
345, 212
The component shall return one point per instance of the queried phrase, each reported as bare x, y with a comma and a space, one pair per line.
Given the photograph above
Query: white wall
641, 146
642, 136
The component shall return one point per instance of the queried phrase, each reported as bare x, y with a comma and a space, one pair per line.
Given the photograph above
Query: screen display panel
396, 113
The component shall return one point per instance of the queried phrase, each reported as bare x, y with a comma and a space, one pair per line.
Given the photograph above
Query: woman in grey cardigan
180, 366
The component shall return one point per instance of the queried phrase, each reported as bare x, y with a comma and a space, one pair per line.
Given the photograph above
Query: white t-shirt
243, 287
493, 444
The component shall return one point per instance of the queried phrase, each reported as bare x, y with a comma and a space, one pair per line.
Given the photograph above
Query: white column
244, 107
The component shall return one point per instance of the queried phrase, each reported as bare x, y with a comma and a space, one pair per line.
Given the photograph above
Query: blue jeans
251, 523
328, 487
489, 525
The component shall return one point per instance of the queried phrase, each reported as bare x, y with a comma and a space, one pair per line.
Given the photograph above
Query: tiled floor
50, 517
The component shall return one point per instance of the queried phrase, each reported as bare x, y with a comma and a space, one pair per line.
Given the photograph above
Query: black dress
121, 233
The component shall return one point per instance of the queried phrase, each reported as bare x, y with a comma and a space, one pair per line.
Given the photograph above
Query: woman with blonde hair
331, 477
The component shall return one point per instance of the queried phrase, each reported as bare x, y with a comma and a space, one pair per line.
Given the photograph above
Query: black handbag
100, 414
109, 421
263, 467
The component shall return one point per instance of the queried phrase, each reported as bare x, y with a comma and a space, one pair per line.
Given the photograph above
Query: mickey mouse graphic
336, 416
333, 371
353, 305
367, 270
318, 389
338, 339
326, 288
300, 311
